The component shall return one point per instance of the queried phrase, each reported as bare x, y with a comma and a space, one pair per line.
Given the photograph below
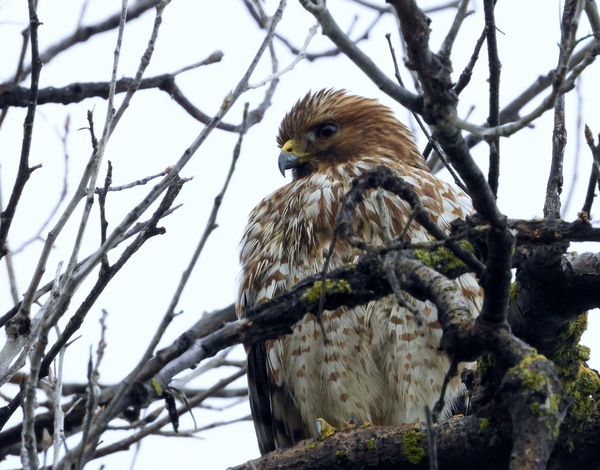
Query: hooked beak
287, 161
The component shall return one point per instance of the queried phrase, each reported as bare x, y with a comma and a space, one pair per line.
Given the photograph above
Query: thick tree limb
398, 448
269, 320
552, 288
463, 443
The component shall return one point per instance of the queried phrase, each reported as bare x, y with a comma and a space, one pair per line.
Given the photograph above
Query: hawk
377, 365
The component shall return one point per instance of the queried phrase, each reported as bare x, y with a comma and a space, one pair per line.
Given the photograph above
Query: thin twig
114, 406
8, 259
16, 79
61, 198
383, 177
297, 59
59, 415
29, 401
494, 96
441, 402
159, 188
98, 153
90, 412
211, 223
555, 179
137, 228
330, 28
578, 144
218, 361
560, 79
213, 58
82, 13
595, 172
24, 171
259, 15
144, 62
133, 184
92, 387
83, 33
24, 308
396, 285
467, 73
460, 16
102, 206
430, 141
100, 423
158, 424
146, 232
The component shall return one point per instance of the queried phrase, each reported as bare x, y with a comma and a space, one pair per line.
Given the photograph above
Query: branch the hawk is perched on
377, 365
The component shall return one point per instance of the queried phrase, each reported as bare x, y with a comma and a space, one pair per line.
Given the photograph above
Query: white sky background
155, 132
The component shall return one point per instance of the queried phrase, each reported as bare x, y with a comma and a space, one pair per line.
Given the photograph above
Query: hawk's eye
326, 130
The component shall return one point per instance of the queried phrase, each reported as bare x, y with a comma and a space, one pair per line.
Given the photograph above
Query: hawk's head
332, 126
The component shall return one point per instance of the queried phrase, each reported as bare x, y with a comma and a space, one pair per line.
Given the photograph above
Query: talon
324, 429
351, 424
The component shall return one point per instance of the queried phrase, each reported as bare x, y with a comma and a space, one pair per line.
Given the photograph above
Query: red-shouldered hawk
377, 365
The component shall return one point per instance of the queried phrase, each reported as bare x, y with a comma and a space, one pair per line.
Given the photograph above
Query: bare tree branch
494, 104
24, 172
515, 420
83, 33
337, 36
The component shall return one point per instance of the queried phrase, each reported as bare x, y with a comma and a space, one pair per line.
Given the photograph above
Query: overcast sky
155, 132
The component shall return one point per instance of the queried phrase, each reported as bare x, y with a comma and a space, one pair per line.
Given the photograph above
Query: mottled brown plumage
377, 365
